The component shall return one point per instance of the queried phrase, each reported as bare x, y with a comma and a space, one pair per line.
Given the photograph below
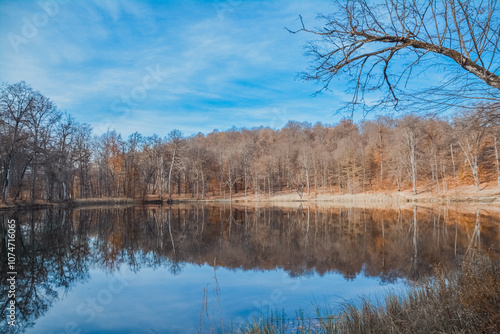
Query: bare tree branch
459, 37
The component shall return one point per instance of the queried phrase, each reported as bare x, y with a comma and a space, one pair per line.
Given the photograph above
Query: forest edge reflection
57, 247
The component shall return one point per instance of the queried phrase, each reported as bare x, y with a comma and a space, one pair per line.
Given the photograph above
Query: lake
192, 268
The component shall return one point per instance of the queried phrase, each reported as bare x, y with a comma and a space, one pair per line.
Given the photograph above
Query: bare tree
396, 158
60, 166
434, 142
471, 129
111, 164
199, 159
411, 134
40, 121
174, 144
134, 146
376, 136
150, 164
392, 45
247, 147
83, 153
16, 102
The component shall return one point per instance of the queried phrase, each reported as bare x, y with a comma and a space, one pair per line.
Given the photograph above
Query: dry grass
102, 201
489, 194
466, 301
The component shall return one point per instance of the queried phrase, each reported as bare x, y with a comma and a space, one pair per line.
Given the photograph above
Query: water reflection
58, 249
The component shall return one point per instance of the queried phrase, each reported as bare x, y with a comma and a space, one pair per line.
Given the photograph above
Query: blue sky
154, 66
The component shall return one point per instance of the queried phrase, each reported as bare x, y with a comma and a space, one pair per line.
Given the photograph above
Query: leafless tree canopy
397, 52
46, 155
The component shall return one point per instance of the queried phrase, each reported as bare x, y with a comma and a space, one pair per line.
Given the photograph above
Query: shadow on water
56, 248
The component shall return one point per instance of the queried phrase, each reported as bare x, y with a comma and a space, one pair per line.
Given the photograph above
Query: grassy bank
466, 301
489, 194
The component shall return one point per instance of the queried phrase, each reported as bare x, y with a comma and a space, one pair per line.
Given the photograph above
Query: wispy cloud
221, 65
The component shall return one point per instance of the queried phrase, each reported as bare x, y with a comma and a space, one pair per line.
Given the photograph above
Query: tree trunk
381, 158
415, 234
8, 172
437, 170
410, 137
471, 159
453, 162
202, 185
269, 184
8, 177
160, 191
497, 160
307, 181
246, 186
414, 173
170, 176
35, 172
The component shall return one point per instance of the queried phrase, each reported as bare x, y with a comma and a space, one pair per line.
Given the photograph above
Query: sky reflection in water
150, 269
157, 300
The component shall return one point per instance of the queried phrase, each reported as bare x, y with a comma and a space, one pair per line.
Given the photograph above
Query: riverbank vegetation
48, 155
464, 301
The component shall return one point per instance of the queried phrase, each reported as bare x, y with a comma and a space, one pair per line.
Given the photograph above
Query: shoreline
341, 199
489, 197
71, 203
467, 195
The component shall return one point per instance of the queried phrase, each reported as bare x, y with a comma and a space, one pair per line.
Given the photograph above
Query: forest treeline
46, 154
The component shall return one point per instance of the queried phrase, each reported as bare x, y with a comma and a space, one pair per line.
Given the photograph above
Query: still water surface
189, 268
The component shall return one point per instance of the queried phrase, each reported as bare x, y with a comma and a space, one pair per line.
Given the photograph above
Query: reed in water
463, 301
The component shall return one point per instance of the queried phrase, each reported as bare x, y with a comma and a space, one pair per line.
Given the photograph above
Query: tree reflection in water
51, 257
55, 248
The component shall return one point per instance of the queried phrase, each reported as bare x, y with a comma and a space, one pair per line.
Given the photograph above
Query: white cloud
218, 70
